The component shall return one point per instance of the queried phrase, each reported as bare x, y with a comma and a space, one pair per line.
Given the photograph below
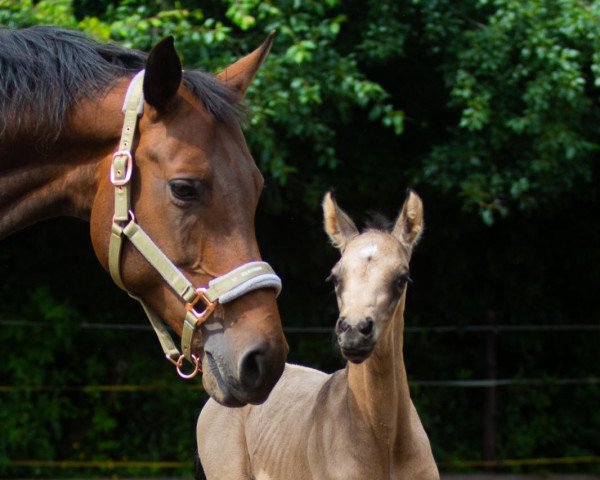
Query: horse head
194, 191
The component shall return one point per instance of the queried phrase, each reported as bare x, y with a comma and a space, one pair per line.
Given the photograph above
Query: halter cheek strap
199, 302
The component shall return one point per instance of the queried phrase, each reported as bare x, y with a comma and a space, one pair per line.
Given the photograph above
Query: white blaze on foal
368, 251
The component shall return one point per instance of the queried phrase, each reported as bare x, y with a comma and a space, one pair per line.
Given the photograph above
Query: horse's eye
184, 189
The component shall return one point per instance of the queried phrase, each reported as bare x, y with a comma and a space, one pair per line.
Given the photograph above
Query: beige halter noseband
226, 288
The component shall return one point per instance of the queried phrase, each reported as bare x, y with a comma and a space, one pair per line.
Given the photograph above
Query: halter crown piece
226, 288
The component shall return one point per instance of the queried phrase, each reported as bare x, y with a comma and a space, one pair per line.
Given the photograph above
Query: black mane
44, 70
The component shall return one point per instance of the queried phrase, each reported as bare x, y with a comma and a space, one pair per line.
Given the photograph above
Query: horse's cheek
100, 223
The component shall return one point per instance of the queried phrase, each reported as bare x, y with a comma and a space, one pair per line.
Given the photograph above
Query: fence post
490, 400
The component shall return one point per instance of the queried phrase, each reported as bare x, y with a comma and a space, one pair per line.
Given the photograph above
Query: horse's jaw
240, 366
215, 383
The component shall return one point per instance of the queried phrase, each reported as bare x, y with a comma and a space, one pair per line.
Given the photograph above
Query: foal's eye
333, 279
185, 189
401, 280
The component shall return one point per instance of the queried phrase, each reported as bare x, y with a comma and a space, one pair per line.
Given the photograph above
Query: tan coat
313, 427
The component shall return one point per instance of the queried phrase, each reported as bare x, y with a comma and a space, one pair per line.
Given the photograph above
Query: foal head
371, 276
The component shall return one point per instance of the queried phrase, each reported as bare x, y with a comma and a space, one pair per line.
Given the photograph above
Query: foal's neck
379, 386
58, 178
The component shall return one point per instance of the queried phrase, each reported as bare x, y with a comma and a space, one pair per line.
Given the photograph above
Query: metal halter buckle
208, 309
179, 363
118, 178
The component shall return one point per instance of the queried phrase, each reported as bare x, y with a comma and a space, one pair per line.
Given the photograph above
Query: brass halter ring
179, 363
209, 307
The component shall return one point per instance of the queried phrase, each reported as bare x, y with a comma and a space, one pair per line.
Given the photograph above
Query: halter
200, 302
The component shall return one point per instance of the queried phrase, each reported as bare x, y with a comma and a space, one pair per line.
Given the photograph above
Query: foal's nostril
341, 326
365, 327
252, 367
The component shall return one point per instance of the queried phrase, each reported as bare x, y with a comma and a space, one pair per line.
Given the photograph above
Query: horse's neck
58, 179
379, 385
33, 193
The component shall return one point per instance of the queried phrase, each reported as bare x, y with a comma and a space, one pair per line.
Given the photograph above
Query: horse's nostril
252, 367
365, 327
341, 326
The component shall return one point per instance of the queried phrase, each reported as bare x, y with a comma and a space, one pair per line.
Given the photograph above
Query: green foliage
29, 368
523, 77
50, 415
28, 12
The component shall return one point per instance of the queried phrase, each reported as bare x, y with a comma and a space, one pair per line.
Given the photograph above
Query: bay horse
359, 422
155, 159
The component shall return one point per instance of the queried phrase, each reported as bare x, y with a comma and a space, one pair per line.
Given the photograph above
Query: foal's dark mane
378, 221
44, 70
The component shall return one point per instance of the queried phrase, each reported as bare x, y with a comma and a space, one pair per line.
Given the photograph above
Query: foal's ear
163, 74
339, 226
239, 75
409, 225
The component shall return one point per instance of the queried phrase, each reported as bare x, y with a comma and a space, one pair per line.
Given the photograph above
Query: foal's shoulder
301, 376
298, 383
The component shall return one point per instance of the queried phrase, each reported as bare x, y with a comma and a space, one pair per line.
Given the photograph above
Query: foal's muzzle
355, 338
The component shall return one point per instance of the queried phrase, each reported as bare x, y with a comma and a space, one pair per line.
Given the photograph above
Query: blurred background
489, 109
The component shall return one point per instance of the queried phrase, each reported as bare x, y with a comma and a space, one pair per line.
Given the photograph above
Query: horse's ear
239, 75
409, 224
163, 74
339, 226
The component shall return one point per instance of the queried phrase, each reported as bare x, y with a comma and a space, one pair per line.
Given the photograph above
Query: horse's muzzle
235, 373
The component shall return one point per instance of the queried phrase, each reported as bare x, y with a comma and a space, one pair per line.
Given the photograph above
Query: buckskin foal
154, 158
358, 423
